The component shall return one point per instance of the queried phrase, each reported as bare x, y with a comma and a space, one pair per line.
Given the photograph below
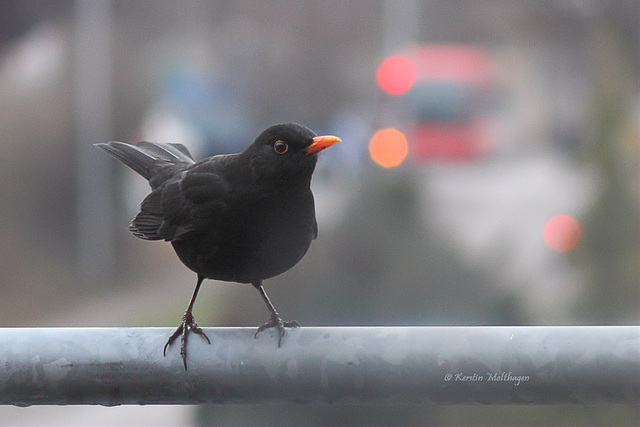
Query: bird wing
190, 201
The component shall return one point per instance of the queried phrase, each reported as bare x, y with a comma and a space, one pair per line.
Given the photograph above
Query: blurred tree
611, 252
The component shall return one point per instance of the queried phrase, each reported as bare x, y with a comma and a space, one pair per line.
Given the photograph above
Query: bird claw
275, 321
188, 323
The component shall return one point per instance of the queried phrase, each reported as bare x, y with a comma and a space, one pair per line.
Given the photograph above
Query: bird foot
188, 323
276, 322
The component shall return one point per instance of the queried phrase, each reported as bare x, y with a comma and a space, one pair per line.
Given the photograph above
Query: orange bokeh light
562, 233
388, 147
396, 75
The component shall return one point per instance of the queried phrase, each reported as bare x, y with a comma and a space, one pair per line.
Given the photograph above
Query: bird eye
280, 147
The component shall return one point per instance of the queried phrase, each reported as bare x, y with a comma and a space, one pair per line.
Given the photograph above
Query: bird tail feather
147, 158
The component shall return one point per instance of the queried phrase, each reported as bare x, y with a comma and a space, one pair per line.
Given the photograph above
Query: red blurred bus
446, 107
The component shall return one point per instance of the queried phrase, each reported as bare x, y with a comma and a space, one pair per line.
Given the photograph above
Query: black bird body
241, 217
267, 226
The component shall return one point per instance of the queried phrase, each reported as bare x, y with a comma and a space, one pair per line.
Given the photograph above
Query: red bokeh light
562, 233
396, 75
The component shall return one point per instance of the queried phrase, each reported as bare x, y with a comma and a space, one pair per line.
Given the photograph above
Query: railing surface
529, 364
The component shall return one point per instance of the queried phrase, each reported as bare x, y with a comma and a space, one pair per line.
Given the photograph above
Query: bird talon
188, 324
291, 324
172, 338
275, 321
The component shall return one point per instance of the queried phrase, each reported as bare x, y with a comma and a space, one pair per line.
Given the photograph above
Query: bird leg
188, 323
275, 321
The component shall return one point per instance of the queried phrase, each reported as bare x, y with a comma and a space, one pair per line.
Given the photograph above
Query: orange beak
321, 142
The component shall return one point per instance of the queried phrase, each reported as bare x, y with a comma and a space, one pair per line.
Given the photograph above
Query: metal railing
115, 366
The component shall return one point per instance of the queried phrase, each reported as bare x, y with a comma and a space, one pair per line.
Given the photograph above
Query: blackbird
241, 217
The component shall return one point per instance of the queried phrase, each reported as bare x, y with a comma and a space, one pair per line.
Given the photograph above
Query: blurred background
488, 173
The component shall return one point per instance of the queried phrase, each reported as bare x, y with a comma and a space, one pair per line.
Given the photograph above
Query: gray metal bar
114, 366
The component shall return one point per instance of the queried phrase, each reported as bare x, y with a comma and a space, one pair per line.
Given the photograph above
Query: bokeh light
396, 75
388, 147
562, 233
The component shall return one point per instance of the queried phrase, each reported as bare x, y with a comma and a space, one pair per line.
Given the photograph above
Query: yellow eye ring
280, 147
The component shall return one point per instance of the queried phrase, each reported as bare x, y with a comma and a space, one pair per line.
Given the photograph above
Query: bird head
287, 150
